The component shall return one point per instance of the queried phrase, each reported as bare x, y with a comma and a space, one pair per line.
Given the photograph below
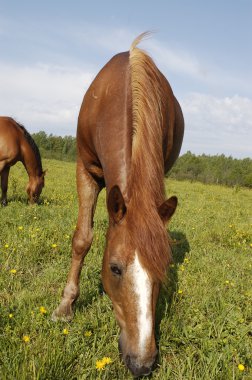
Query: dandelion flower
20, 228
65, 331
13, 271
42, 310
88, 333
26, 338
241, 367
180, 291
227, 282
6, 246
106, 360
10, 315
54, 245
99, 365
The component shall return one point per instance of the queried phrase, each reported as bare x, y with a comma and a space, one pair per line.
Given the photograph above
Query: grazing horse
16, 144
130, 131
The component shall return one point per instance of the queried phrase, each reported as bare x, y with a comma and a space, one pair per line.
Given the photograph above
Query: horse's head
35, 186
132, 276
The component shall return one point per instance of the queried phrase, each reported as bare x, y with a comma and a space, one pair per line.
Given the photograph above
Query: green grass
204, 316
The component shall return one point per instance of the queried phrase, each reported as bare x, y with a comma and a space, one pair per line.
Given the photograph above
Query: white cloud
175, 60
48, 98
218, 125
43, 97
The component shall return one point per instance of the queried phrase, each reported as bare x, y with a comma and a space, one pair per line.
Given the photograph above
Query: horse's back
105, 130
9, 140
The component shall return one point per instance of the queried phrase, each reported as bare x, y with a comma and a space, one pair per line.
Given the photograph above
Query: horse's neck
29, 160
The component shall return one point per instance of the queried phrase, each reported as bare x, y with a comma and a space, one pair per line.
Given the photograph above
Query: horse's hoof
62, 313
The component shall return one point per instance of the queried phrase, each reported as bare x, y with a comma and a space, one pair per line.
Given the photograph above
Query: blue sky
51, 50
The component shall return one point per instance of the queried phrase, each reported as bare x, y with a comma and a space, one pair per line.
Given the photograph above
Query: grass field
204, 316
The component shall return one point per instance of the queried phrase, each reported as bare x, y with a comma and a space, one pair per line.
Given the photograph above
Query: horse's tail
147, 110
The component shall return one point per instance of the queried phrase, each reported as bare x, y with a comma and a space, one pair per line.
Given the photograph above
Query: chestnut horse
130, 131
16, 144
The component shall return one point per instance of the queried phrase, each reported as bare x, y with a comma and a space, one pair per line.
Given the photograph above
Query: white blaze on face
142, 288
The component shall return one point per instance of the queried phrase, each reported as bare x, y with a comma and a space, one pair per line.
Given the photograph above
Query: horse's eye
115, 270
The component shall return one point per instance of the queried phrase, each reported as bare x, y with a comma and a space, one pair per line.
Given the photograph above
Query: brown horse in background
16, 144
130, 131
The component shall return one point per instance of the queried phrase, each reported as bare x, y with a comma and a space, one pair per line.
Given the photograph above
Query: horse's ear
116, 204
167, 209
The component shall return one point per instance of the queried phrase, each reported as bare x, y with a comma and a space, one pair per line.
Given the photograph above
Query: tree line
217, 169
56, 147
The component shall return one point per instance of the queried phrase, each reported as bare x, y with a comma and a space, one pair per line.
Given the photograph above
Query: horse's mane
147, 162
33, 145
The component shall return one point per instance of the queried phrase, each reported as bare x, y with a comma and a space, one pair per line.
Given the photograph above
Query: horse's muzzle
136, 366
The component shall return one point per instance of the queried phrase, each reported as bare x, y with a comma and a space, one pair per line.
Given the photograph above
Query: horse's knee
81, 244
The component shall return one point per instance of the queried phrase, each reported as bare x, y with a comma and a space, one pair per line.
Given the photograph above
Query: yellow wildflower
180, 291
42, 310
65, 331
106, 360
88, 333
10, 315
99, 365
227, 282
20, 228
13, 271
182, 268
186, 260
6, 246
54, 245
26, 338
241, 367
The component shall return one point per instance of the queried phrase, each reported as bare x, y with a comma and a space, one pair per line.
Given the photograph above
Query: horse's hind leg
88, 191
4, 185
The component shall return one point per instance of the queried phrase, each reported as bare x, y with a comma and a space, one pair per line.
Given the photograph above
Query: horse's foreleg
88, 191
4, 185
